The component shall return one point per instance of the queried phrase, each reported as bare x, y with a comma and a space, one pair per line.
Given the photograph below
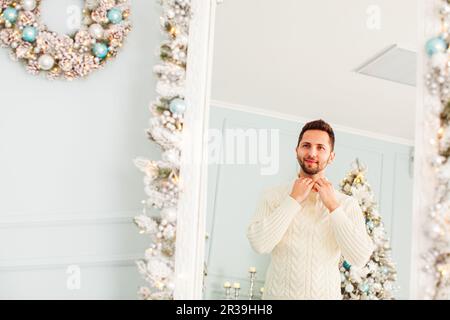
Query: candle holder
236, 287
252, 272
227, 287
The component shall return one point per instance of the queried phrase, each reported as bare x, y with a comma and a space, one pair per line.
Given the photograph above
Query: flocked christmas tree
375, 281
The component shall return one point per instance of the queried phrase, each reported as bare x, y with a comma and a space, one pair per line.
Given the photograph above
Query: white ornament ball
434, 230
149, 253
170, 286
377, 287
169, 233
96, 30
169, 214
46, 62
439, 60
92, 4
445, 9
28, 5
388, 286
349, 287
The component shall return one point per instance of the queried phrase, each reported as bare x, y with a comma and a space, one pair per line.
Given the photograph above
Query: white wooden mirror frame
190, 242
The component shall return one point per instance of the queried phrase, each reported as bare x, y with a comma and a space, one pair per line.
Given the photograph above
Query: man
307, 226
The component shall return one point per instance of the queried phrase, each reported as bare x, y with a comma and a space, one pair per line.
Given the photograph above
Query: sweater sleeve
269, 223
350, 232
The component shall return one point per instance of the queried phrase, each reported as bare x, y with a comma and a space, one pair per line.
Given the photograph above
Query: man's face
314, 151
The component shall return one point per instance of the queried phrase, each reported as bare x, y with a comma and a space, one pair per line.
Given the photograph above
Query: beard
312, 169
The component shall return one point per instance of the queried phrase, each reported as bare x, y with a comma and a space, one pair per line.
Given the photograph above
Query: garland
437, 257
161, 176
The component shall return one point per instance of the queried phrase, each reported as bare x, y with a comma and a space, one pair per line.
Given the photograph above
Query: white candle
236, 285
227, 285
252, 269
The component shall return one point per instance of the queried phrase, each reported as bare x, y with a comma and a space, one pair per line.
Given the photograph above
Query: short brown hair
318, 125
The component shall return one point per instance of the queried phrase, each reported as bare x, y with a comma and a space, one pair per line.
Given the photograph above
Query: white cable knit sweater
306, 242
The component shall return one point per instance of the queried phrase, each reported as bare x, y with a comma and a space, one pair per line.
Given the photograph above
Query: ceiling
298, 58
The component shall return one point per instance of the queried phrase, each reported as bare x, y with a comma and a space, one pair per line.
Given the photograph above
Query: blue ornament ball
100, 50
346, 265
10, 14
29, 34
114, 15
364, 287
435, 45
177, 106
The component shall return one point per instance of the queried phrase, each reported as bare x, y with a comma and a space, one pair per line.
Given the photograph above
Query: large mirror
311, 137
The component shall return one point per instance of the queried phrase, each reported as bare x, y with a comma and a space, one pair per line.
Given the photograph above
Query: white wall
68, 187
273, 55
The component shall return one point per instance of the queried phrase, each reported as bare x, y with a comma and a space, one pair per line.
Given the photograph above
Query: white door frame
191, 221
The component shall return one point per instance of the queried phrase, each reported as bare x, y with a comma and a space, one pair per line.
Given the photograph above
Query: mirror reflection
311, 140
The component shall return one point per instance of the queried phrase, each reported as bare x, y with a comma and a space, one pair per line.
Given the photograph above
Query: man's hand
326, 192
301, 189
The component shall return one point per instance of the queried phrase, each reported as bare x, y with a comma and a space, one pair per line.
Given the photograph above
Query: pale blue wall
234, 190
68, 186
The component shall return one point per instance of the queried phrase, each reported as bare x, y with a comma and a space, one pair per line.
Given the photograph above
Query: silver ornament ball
92, 4
96, 30
46, 62
28, 5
